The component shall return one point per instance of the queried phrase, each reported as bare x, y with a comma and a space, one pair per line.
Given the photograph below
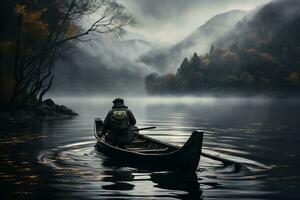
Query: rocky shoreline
45, 110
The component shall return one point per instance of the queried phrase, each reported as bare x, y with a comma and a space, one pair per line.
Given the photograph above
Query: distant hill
165, 59
114, 66
201, 39
132, 48
259, 56
104, 67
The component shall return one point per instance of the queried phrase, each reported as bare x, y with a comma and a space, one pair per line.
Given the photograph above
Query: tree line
260, 56
36, 33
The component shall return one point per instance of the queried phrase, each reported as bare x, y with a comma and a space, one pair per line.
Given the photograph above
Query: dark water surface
57, 159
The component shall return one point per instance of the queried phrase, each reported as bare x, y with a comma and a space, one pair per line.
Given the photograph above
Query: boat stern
189, 155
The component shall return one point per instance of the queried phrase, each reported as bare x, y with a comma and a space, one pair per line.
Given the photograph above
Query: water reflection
57, 160
119, 178
179, 182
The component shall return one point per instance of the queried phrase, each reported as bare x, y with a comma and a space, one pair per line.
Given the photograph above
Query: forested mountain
216, 27
259, 56
115, 67
166, 58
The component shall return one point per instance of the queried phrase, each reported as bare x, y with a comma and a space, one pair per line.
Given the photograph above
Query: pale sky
170, 21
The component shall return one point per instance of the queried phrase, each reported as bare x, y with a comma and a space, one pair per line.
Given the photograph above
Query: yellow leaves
267, 57
230, 57
294, 77
20, 9
71, 31
32, 22
7, 47
7, 80
169, 77
205, 61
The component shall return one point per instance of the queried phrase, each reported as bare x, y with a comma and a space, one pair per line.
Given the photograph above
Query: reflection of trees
18, 143
118, 177
179, 181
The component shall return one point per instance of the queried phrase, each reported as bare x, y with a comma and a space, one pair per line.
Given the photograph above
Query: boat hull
167, 157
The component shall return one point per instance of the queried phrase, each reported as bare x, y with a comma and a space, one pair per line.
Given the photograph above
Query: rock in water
49, 102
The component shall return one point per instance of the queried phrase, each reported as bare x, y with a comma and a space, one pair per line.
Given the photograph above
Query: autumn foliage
36, 33
260, 56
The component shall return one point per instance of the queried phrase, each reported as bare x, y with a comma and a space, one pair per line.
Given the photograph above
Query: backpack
119, 120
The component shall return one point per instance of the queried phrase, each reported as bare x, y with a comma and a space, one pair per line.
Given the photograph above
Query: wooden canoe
151, 153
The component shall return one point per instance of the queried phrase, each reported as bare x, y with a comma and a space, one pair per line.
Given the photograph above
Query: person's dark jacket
119, 106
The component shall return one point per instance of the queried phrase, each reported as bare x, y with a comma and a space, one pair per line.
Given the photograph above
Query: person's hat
118, 100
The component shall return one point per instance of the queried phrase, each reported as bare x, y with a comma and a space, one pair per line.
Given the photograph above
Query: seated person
117, 124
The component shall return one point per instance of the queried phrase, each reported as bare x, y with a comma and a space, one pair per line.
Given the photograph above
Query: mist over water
164, 34
58, 160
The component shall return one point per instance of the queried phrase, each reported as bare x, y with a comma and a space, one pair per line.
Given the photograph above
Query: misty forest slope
166, 59
260, 56
112, 66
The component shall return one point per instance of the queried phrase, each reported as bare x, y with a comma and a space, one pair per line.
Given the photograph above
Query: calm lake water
57, 159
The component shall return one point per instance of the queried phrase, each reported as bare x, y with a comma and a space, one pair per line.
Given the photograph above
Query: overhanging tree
40, 33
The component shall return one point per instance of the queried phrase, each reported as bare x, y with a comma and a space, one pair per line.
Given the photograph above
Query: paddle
146, 128
223, 160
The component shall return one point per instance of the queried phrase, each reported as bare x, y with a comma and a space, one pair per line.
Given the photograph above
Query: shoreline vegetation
259, 56
37, 110
34, 36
